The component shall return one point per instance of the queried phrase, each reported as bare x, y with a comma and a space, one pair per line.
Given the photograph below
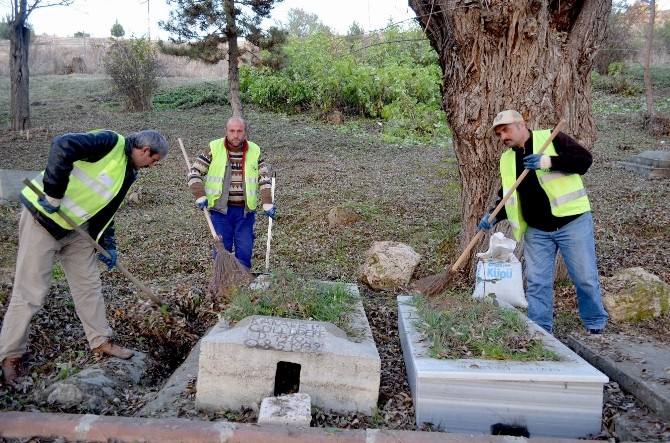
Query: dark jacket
572, 158
89, 147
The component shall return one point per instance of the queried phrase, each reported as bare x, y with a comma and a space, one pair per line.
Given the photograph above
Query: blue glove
110, 262
537, 161
272, 212
484, 224
202, 203
48, 206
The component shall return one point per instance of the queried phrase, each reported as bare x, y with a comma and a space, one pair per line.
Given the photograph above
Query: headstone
650, 164
264, 356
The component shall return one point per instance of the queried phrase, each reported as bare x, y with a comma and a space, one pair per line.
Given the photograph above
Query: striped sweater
235, 195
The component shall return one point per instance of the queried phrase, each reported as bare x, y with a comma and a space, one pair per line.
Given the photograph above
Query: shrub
134, 68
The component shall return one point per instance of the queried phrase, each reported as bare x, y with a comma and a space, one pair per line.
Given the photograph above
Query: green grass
289, 296
459, 326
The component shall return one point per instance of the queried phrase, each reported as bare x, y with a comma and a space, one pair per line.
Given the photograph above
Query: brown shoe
12, 369
111, 348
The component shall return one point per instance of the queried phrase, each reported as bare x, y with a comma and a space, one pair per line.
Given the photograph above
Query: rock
335, 118
341, 216
94, 388
635, 294
388, 264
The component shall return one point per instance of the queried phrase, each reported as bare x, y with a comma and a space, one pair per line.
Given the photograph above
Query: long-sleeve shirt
571, 158
89, 147
235, 196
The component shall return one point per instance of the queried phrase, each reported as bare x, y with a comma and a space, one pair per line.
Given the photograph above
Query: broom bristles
434, 284
227, 272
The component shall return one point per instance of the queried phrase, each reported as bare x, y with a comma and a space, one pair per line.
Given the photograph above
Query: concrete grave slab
11, 183
537, 399
263, 356
650, 164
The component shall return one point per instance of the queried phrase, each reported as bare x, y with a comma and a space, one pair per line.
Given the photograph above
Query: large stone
561, 399
634, 294
388, 265
265, 356
94, 388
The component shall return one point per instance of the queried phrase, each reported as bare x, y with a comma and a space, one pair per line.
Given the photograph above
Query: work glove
111, 261
537, 161
49, 204
201, 202
270, 210
484, 224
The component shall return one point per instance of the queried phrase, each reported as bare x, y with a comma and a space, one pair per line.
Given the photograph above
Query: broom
436, 284
227, 271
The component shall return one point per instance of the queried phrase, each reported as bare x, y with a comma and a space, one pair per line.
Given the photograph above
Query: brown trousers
34, 262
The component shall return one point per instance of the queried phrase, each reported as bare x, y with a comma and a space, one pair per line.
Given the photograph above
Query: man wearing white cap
551, 210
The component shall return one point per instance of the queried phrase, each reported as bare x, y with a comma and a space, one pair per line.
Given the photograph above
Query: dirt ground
164, 241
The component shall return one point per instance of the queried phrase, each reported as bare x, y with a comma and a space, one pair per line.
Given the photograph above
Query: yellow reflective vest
217, 172
91, 187
566, 192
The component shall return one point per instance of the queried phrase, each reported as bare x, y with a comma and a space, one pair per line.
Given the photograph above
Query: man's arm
68, 148
571, 157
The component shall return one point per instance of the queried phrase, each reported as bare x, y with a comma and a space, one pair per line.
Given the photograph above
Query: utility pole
148, 20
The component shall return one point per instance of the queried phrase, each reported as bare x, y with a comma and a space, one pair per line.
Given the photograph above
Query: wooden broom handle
509, 193
205, 210
99, 248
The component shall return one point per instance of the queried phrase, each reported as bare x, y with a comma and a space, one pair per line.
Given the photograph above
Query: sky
139, 17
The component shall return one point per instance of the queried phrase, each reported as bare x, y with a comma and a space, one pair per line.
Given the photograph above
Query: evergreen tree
209, 31
117, 30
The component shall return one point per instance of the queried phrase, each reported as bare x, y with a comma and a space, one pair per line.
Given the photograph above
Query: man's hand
49, 204
270, 210
201, 202
484, 224
111, 261
537, 161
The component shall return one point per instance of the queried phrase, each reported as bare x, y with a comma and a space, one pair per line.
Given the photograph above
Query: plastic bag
499, 272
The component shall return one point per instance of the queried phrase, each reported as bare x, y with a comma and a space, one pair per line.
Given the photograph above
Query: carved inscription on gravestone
284, 335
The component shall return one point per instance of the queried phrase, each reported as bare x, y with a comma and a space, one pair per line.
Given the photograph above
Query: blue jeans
576, 243
236, 231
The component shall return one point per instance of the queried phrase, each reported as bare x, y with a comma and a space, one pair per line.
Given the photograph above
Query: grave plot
264, 356
538, 398
649, 164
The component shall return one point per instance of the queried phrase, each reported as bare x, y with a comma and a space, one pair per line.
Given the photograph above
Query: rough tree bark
534, 56
19, 42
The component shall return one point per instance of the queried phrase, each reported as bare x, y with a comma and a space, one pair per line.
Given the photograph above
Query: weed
460, 326
289, 296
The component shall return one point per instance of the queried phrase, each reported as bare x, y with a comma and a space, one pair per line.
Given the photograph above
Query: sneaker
12, 369
111, 348
595, 331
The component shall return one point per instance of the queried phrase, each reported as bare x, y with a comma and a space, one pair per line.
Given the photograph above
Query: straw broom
437, 284
227, 271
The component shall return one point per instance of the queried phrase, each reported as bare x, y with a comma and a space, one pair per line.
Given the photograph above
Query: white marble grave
542, 398
240, 366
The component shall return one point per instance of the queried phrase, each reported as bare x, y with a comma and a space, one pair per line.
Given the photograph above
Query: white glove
545, 162
55, 202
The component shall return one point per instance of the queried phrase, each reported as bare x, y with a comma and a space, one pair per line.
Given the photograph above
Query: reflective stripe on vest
91, 186
512, 206
565, 192
217, 171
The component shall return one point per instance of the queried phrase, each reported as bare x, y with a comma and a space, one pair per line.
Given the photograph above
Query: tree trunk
530, 55
647, 59
19, 43
233, 56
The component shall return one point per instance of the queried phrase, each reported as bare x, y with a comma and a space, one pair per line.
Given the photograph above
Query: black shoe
595, 331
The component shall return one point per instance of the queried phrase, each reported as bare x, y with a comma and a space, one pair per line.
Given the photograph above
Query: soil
402, 191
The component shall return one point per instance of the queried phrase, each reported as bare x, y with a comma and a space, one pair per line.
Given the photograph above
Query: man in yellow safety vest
87, 177
551, 210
